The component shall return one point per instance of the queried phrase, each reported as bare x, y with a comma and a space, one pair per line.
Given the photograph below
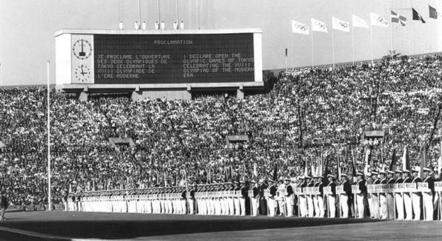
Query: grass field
59, 225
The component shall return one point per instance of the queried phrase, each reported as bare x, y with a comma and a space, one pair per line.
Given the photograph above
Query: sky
27, 28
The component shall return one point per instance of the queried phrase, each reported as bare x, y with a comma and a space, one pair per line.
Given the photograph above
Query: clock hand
82, 71
82, 53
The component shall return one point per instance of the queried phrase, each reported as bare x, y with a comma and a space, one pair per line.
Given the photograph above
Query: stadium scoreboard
109, 57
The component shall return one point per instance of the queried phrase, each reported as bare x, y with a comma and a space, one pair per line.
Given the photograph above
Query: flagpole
49, 136
391, 37
313, 51
286, 60
159, 11
177, 12
371, 43
353, 45
333, 48
139, 12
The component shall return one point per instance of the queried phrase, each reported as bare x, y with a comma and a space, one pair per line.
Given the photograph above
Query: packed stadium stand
309, 114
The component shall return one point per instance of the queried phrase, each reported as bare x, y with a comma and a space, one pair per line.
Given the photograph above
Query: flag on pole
417, 16
313, 169
402, 20
340, 25
393, 161
355, 167
366, 160
378, 21
299, 28
358, 22
339, 167
318, 26
255, 169
325, 173
405, 160
275, 173
433, 12
306, 168
394, 17
423, 162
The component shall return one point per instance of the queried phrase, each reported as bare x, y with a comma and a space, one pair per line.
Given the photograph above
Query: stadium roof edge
158, 32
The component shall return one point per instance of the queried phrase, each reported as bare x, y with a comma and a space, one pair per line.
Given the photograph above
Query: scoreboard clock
82, 73
82, 49
82, 58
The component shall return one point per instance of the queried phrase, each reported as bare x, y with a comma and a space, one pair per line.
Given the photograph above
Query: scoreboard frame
70, 66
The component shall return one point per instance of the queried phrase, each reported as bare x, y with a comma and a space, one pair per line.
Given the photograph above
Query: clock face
82, 73
82, 49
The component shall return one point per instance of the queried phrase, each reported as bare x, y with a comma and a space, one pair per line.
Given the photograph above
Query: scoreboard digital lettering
130, 57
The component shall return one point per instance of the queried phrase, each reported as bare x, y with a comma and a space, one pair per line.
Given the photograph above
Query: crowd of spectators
311, 117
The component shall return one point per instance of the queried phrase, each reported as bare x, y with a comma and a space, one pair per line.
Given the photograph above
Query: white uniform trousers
360, 205
416, 199
408, 205
290, 203
390, 205
303, 206
315, 205
399, 206
200, 204
191, 204
237, 206
218, 206
376, 208
224, 206
321, 212
254, 205
343, 200
427, 198
242, 203
231, 203
370, 205
281, 207
383, 206
271, 206
310, 207
211, 208
331, 201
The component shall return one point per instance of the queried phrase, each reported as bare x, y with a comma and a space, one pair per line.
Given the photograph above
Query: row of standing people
370, 196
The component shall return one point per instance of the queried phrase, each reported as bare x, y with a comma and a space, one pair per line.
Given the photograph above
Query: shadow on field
124, 229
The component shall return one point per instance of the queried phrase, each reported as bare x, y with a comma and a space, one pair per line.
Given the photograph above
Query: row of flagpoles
375, 20
320, 166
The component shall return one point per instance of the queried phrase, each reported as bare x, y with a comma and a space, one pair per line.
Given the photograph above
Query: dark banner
180, 58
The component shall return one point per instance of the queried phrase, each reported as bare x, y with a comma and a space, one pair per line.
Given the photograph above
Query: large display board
190, 58
150, 59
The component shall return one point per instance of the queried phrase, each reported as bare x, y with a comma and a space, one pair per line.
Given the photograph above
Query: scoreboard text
184, 58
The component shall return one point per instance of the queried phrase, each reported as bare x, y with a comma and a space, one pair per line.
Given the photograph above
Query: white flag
318, 26
300, 28
358, 22
378, 20
340, 25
